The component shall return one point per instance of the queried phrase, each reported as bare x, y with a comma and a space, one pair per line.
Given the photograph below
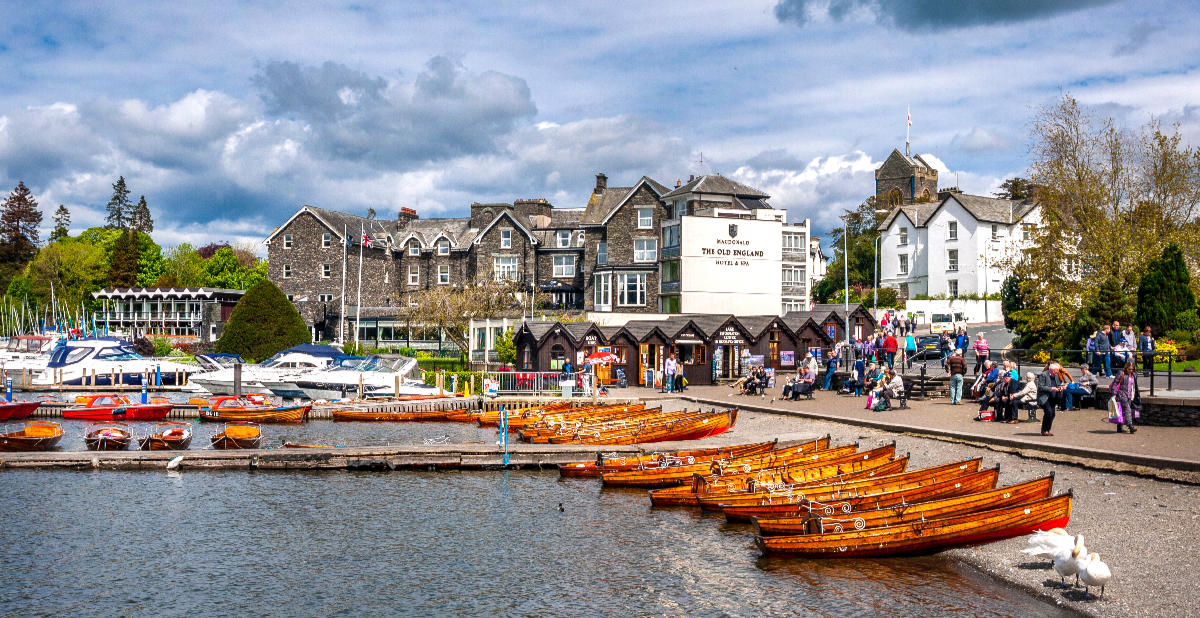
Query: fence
576, 384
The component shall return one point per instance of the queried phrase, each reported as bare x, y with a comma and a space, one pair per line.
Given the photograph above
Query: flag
910, 118
366, 240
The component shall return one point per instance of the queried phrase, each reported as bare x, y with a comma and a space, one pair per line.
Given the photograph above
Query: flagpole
341, 338
358, 303
907, 129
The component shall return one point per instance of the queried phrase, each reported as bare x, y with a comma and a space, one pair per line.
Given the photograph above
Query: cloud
820, 189
927, 14
1138, 36
979, 139
38, 143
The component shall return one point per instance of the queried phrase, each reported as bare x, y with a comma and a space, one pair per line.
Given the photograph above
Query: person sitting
1002, 399
1027, 396
893, 388
805, 385
1085, 387
787, 387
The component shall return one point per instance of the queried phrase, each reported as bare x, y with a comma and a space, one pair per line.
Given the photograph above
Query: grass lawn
1179, 365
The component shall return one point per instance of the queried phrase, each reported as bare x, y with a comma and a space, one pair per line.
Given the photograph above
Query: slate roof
339, 221
717, 184
427, 230
601, 205
994, 209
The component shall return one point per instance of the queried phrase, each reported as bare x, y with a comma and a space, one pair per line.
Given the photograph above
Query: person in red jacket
890, 345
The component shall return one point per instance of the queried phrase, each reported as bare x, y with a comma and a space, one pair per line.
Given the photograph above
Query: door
647, 360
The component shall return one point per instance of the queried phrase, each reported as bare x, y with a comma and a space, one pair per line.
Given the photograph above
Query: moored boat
228, 408
107, 436
113, 407
665, 459
35, 436
926, 536
665, 477
169, 436
238, 434
17, 410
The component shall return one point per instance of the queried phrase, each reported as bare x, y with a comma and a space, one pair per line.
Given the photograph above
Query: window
792, 242
670, 236
903, 267
645, 218
995, 232
601, 253
793, 276
631, 289
669, 304
602, 292
505, 268
326, 240
291, 297
564, 266
952, 259
564, 238
1026, 232
506, 239
444, 274
645, 249
903, 236
326, 271
287, 241
287, 271
414, 247
414, 274
952, 230
670, 272
325, 298
443, 247
952, 288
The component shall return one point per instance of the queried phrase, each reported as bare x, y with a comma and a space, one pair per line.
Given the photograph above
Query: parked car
927, 346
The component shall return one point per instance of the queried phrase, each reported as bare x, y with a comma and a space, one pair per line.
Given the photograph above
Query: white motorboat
107, 361
377, 375
255, 377
26, 353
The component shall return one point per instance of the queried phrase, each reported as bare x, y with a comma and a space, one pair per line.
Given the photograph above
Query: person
944, 348
1130, 337
981, 351
960, 340
787, 387
1125, 390
856, 378
831, 365
669, 369
868, 351
910, 349
901, 326
1089, 349
804, 385
957, 368
1049, 390
890, 345
810, 362
1002, 400
873, 384
1027, 396
1104, 346
893, 388
1145, 347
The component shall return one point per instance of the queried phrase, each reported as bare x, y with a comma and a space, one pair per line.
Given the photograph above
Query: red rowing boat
111, 407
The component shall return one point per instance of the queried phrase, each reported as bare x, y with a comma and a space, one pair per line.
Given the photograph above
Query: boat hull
280, 414
36, 436
224, 442
17, 410
131, 412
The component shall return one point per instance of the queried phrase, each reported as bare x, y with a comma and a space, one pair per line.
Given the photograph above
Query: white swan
1046, 543
1093, 572
1067, 561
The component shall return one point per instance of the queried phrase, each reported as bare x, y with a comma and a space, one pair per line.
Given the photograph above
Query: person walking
1146, 346
960, 340
944, 348
890, 345
910, 349
981, 352
669, 369
1104, 346
1049, 391
1125, 390
957, 368
831, 365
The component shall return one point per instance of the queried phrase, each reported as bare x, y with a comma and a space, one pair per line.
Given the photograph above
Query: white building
954, 246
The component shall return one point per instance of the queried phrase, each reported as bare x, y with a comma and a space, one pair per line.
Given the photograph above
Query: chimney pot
601, 183
691, 177
678, 182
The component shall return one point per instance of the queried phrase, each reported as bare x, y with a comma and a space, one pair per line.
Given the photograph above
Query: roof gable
644, 181
505, 213
718, 185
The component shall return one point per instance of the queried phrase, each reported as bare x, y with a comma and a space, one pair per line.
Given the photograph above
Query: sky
229, 116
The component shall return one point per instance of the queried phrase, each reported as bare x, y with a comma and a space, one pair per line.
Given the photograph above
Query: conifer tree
62, 224
263, 323
19, 220
1165, 291
119, 208
139, 219
123, 266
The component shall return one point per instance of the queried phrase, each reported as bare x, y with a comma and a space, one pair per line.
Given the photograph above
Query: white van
945, 322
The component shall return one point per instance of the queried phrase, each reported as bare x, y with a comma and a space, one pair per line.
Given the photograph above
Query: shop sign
591, 340
787, 358
687, 336
729, 336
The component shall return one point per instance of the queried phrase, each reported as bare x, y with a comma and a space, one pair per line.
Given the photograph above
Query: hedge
441, 364
475, 377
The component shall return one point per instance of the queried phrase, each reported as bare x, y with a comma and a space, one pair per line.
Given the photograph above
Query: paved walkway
1084, 433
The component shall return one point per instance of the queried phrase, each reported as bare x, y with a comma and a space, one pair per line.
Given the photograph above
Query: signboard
787, 358
729, 335
687, 336
730, 266
591, 340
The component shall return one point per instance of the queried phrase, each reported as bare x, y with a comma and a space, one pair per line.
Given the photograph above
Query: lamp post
875, 264
846, 274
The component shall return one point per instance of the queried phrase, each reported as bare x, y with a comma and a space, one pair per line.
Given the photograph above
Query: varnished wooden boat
666, 459
926, 536
877, 497
238, 434
692, 427
492, 417
544, 429
108, 436
393, 416
35, 436
170, 436
17, 410
229, 408
686, 494
665, 477
799, 485
817, 523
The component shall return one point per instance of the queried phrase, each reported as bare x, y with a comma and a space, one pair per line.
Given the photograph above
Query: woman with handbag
1124, 390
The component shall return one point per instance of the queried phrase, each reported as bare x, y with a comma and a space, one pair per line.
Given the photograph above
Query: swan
1045, 543
1093, 572
1068, 560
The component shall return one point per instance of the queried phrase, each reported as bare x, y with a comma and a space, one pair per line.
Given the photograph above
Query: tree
1012, 302
19, 221
263, 323
211, 249
119, 210
185, 266
1165, 291
139, 218
123, 265
863, 225
62, 224
506, 349
1016, 189
452, 308
75, 268
151, 266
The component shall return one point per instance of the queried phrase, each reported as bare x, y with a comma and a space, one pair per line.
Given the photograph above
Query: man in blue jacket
1104, 348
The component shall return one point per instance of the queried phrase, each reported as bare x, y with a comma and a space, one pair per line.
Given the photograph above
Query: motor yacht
107, 361
254, 377
378, 375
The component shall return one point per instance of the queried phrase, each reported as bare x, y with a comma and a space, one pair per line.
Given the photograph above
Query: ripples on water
422, 543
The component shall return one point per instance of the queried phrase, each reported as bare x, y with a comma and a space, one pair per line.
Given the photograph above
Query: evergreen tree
140, 219
119, 209
123, 267
19, 220
1165, 291
62, 224
1011, 301
263, 323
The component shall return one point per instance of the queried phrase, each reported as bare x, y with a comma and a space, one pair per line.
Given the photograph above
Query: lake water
424, 544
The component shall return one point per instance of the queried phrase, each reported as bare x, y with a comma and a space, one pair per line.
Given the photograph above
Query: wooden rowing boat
926, 536
698, 427
228, 408
817, 523
238, 434
579, 419
877, 497
665, 477
169, 436
396, 416
659, 460
107, 436
35, 436
492, 417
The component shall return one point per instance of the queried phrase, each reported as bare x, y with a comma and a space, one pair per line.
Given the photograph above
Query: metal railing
554, 383
1116, 361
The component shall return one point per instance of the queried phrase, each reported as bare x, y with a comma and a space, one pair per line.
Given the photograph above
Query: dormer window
564, 239
414, 248
443, 247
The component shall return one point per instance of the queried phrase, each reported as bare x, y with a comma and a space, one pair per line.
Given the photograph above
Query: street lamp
875, 263
846, 274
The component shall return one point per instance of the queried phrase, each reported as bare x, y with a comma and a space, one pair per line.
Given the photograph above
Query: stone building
904, 179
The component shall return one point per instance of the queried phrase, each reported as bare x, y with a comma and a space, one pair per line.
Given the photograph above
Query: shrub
162, 347
440, 364
1163, 347
263, 323
144, 347
506, 350
1187, 320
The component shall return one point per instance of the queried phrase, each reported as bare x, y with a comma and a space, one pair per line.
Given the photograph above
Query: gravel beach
1146, 530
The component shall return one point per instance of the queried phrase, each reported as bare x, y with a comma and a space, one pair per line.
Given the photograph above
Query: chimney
406, 215
678, 182
601, 183
691, 177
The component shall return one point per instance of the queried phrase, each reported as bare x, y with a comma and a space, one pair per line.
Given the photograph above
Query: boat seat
239, 432
41, 431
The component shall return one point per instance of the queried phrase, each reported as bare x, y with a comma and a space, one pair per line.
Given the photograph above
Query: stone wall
1170, 412
489, 248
